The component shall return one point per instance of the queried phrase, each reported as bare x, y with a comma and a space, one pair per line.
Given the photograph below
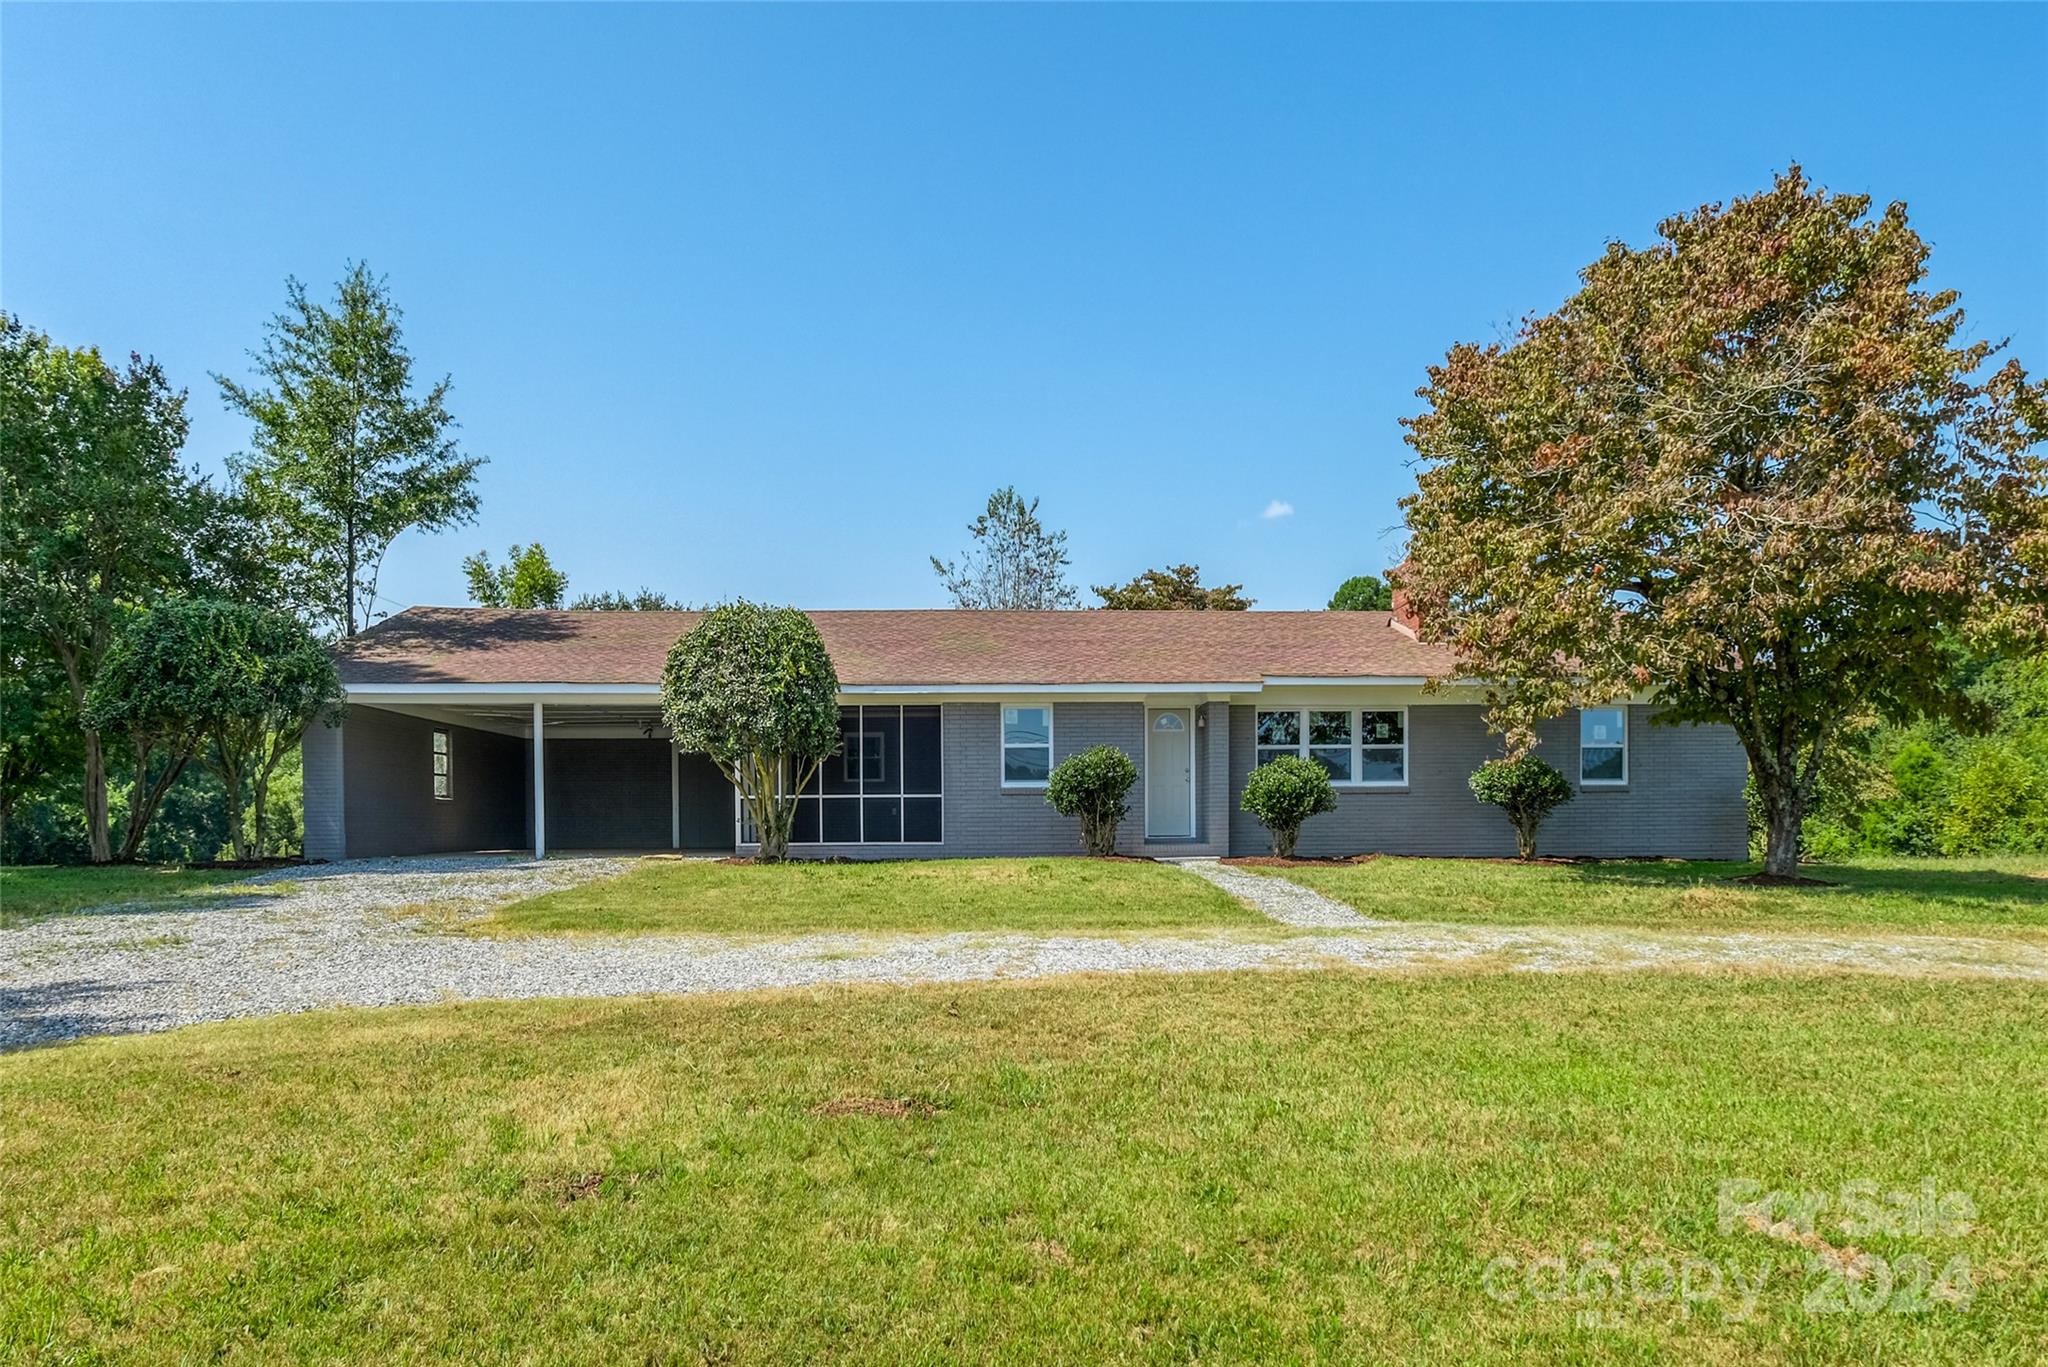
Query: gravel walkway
331, 940
1291, 904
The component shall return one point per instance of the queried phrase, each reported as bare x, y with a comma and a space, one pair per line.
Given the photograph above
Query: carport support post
675, 797
540, 790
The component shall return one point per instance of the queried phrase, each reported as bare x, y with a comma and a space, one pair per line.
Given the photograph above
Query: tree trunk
238, 835
259, 820
1525, 839
96, 826
1783, 824
145, 795
1283, 840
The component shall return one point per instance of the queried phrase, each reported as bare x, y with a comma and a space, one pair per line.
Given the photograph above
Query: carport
442, 774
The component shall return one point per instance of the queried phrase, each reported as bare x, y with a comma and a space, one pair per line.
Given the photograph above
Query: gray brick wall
1684, 796
387, 787
321, 771
983, 818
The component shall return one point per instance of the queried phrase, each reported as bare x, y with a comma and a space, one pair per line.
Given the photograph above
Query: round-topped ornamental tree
1286, 792
753, 688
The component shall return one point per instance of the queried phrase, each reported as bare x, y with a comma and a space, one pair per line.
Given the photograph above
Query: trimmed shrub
1092, 785
1527, 789
753, 688
1285, 793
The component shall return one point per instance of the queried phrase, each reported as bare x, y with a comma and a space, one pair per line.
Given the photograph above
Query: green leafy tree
644, 600
39, 735
1177, 587
1284, 793
1013, 561
97, 520
527, 579
1758, 470
232, 684
753, 688
1362, 593
1527, 789
1093, 785
345, 458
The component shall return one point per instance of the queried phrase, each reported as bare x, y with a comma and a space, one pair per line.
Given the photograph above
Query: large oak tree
1760, 471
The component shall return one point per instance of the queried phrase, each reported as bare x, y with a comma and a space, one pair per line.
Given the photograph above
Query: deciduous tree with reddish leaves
1761, 471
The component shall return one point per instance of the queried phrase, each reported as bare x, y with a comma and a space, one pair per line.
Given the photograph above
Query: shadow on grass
1930, 884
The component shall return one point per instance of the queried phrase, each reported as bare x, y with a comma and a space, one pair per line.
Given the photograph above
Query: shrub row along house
478, 729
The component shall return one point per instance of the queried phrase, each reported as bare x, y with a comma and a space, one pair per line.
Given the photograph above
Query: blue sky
765, 301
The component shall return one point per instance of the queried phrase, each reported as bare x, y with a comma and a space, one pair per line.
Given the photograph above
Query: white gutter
590, 692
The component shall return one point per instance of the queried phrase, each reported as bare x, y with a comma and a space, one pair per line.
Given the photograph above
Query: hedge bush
1092, 785
1527, 789
1285, 793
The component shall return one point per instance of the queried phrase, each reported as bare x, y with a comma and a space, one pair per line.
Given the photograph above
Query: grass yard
1224, 1167
1983, 896
703, 897
32, 891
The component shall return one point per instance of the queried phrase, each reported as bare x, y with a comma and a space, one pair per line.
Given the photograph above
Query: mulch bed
1274, 861
1781, 880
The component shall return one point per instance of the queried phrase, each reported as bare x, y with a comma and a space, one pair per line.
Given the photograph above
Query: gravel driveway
332, 940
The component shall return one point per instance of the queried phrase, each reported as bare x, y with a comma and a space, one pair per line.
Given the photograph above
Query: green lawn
32, 891
1238, 1167
1984, 896
702, 897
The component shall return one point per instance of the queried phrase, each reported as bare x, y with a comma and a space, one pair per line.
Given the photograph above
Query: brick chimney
1405, 619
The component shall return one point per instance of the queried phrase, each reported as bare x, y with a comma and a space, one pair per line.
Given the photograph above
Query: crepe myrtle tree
1760, 471
753, 688
1526, 788
1286, 792
1093, 785
233, 685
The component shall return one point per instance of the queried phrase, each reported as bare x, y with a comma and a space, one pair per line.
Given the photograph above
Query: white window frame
1358, 742
445, 754
1003, 746
1621, 710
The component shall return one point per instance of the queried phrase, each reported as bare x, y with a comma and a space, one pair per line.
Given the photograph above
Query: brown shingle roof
928, 646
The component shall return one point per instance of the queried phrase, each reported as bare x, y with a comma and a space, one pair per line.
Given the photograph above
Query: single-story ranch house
481, 729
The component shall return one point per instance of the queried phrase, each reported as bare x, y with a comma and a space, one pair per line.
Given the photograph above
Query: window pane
842, 771
440, 785
1279, 728
1027, 726
881, 749
1268, 755
921, 756
1330, 728
1382, 766
441, 764
1601, 726
1026, 764
1601, 765
1336, 762
842, 820
440, 742
885, 820
804, 828
921, 820
1381, 728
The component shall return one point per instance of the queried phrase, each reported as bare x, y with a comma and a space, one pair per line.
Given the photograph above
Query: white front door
1170, 773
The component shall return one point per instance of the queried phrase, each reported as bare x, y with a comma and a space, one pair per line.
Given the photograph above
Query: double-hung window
1603, 746
1027, 746
1365, 748
444, 778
